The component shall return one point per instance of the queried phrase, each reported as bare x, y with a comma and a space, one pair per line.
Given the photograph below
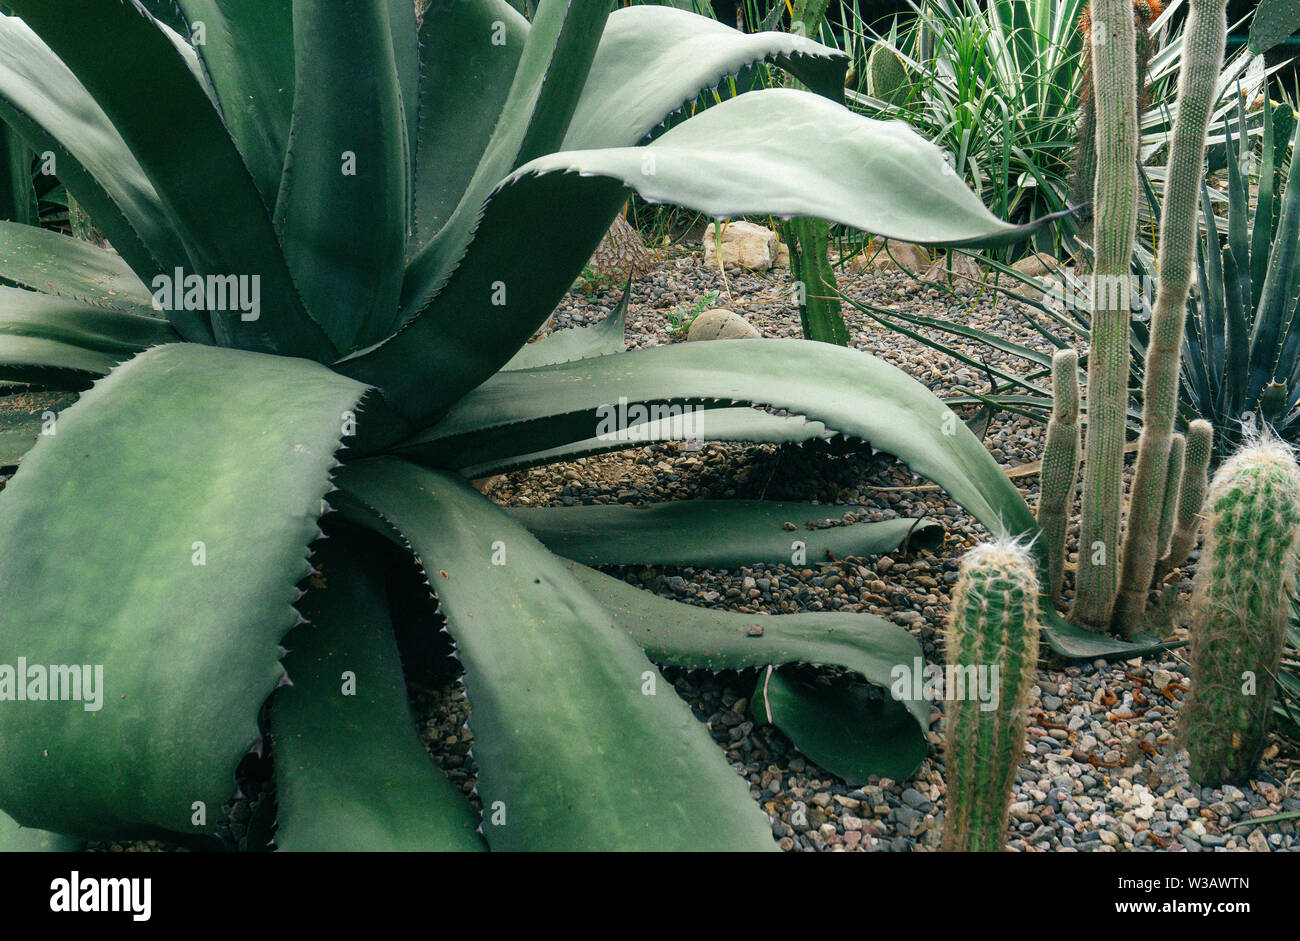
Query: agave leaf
46, 104
776, 151
548, 79
725, 424
41, 333
851, 392
16, 839
405, 40
187, 454
654, 60
1272, 317
788, 152
248, 55
467, 67
71, 268
572, 753
847, 728
885, 738
18, 199
143, 84
351, 774
715, 533
23, 415
563, 346
343, 203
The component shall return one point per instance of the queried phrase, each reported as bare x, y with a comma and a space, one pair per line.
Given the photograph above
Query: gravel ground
1100, 772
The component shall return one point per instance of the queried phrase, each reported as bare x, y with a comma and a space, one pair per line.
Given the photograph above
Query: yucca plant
332, 242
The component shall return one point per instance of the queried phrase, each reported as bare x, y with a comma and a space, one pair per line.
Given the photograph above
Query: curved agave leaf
467, 66
571, 753
16, 839
725, 424
45, 103
850, 391
547, 81
175, 506
41, 334
778, 151
23, 415
143, 84
788, 152
853, 739
563, 346
715, 533
71, 268
653, 60
343, 203
248, 55
351, 774
18, 199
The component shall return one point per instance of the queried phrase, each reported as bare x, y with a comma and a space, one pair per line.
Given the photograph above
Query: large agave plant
395, 219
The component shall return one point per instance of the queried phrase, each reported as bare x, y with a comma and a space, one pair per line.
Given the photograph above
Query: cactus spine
1173, 486
1242, 601
1114, 70
1203, 41
1060, 475
993, 623
1191, 495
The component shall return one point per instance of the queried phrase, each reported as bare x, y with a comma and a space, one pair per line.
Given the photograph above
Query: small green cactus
993, 625
1242, 600
1173, 487
887, 76
1060, 475
1191, 495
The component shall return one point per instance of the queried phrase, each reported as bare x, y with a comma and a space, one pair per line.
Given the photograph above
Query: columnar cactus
1242, 601
1191, 495
1173, 487
1115, 202
1060, 475
1203, 41
993, 628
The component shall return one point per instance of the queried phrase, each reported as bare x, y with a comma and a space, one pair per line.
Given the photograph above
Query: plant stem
1112, 45
1203, 42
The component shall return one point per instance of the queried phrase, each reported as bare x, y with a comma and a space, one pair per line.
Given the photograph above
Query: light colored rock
1042, 268
890, 255
488, 484
721, 324
967, 273
619, 250
743, 245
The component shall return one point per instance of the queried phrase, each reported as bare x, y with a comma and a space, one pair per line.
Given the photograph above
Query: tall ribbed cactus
1203, 40
993, 624
1060, 475
1191, 495
1173, 487
1114, 69
1242, 603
